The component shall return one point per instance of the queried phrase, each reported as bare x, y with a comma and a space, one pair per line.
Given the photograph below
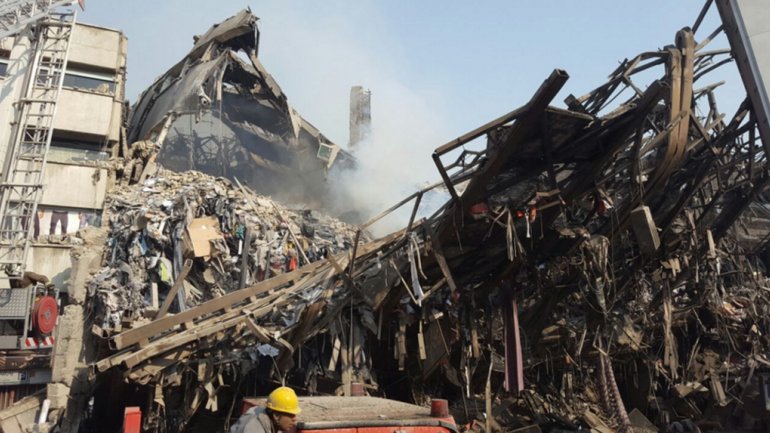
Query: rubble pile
217, 236
196, 361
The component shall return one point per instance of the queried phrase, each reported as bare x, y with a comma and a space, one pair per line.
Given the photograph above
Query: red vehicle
367, 415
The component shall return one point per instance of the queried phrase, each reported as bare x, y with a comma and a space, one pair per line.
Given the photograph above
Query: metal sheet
747, 25
14, 303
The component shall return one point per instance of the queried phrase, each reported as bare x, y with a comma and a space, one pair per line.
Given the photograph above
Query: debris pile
196, 359
185, 238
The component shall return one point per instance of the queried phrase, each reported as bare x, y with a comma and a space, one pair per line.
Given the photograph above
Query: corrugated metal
11, 394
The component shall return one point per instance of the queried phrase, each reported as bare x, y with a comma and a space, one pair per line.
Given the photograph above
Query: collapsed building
220, 112
82, 154
601, 266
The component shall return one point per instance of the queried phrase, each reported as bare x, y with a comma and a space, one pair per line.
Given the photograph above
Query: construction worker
278, 415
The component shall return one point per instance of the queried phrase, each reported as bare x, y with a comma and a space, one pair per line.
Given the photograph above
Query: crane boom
15, 15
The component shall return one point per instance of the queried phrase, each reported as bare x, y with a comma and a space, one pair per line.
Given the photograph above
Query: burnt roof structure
219, 111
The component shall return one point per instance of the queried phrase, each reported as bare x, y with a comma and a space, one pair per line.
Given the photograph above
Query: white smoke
317, 56
394, 161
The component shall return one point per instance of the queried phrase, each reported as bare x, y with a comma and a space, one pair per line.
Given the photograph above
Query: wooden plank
357, 347
172, 342
421, 344
174, 289
401, 341
257, 330
478, 132
263, 306
712, 249
475, 351
210, 325
336, 265
345, 361
435, 287
153, 298
204, 329
155, 327
336, 347
132, 358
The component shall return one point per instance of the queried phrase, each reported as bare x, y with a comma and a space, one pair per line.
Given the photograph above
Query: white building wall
74, 186
85, 112
96, 47
52, 261
91, 114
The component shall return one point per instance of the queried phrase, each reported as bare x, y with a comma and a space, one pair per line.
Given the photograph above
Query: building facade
87, 132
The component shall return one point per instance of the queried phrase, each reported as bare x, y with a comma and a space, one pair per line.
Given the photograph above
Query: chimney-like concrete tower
360, 116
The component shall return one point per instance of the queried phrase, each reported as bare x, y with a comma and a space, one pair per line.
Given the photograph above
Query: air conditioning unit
327, 153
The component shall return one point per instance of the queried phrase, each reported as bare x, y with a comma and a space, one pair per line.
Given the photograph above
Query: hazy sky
462, 62
436, 69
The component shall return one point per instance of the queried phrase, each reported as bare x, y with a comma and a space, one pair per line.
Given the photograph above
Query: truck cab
367, 415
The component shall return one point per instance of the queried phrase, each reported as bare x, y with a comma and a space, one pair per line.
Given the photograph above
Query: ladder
25, 158
15, 15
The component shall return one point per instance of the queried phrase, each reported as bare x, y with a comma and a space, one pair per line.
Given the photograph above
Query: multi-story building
87, 129
87, 132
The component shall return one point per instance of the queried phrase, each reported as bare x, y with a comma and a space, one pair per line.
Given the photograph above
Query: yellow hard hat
284, 400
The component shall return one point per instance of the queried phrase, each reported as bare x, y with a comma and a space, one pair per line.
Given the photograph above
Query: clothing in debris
59, 216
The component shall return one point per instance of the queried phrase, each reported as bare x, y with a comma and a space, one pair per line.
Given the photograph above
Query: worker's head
284, 408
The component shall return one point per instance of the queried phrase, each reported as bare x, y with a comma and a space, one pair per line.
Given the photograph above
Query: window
324, 152
97, 81
60, 221
71, 152
3, 67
